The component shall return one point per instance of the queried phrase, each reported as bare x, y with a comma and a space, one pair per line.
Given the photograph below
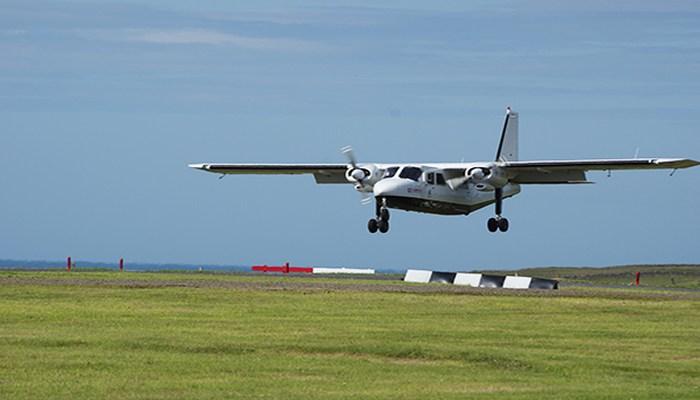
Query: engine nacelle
486, 178
363, 176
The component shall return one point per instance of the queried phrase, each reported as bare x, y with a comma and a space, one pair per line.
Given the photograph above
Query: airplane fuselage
435, 198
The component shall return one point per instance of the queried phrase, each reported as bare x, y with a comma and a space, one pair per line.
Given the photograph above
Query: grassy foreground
110, 341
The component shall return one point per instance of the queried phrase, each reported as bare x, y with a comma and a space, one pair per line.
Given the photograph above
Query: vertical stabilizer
508, 147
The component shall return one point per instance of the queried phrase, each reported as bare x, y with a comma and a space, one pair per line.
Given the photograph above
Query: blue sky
103, 104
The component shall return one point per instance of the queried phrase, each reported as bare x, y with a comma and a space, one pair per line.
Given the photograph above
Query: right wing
573, 171
323, 173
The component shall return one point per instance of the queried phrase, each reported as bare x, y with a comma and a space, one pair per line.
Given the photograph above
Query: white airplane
451, 188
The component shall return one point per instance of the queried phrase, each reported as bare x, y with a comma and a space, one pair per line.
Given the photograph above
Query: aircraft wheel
384, 214
503, 225
372, 226
492, 224
383, 226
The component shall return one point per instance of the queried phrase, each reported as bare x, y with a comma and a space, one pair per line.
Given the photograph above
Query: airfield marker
68, 264
285, 269
636, 278
121, 264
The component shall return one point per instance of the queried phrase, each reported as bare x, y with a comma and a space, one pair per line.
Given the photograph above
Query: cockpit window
412, 173
440, 179
391, 171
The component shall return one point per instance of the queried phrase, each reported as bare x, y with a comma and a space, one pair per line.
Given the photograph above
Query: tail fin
508, 147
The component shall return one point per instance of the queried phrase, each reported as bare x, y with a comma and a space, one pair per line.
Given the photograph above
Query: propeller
365, 198
350, 155
473, 176
357, 174
479, 173
486, 178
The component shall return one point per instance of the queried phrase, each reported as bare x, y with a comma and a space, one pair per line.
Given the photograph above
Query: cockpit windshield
390, 172
412, 173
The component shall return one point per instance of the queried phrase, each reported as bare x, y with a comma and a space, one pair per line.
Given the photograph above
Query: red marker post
121, 265
636, 278
68, 264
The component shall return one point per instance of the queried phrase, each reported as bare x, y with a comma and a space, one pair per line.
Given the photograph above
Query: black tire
372, 225
383, 226
384, 214
492, 224
503, 225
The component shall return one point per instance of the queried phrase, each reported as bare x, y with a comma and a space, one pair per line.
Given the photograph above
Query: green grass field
99, 335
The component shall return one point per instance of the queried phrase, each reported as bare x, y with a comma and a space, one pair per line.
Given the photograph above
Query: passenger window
412, 173
391, 171
430, 178
440, 179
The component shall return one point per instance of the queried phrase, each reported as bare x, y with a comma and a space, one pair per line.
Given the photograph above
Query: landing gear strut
381, 222
499, 223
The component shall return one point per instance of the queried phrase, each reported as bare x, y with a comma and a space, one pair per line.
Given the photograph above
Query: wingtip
675, 163
688, 163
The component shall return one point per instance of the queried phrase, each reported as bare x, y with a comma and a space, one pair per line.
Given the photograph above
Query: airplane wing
573, 171
323, 173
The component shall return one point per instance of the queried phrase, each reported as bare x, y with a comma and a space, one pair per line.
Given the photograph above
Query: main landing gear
381, 222
499, 223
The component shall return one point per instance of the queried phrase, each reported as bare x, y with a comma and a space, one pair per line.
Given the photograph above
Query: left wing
573, 171
323, 173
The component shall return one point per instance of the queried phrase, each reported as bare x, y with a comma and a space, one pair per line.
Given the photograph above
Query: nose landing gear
381, 222
499, 223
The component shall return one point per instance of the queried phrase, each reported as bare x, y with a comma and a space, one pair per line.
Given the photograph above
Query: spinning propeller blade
366, 198
347, 151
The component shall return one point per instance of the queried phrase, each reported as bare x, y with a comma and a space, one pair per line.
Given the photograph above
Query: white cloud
13, 32
678, 44
209, 37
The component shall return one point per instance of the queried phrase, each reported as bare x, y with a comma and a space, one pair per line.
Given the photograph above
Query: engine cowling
486, 178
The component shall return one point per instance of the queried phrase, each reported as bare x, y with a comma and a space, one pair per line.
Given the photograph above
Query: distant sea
129, 266
136, 266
